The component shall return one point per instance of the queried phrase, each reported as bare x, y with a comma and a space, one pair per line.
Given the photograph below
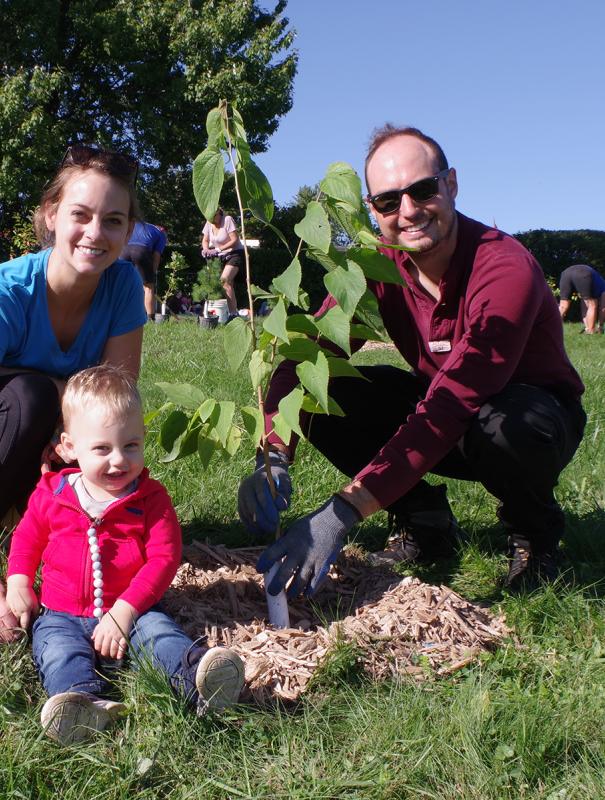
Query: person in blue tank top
144, 249
70, 306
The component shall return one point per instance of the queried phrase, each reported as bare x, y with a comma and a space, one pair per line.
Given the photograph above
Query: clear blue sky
513, 90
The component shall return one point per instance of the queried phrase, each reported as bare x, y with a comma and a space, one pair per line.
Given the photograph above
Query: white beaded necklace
97, 568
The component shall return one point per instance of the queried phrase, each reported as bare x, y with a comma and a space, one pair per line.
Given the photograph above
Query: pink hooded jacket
139, 540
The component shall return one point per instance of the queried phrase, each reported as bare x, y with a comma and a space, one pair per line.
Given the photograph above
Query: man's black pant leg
517, 447
375, 409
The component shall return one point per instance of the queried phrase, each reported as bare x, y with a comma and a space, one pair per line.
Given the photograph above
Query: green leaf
368, 238
281, 428
342, 368
185, 444
312, 407
303, 300
265, 343
214, 128
300, 348
289, 410
336, 327
288, 283
368, 313
347, 286
237, 340
342, 183
375, 265
151, 415
363, 332
330, 260
355, 223
182, 394
255, 191
314, 228
224, 421
275, 323
279, 235
253, 423
208, 408
236, 128
206, 448
302, 323
258, 292
314, 377
259, 369
173, 426
208, 177
234, 439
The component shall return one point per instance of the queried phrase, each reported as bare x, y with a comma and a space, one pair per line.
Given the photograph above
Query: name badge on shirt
440, 347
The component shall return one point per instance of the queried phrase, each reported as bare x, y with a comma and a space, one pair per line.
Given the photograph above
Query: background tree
557, 250
135, 75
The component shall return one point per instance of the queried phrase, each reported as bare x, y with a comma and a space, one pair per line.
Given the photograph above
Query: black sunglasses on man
421, 192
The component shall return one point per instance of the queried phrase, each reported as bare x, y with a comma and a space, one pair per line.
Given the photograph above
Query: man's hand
110, 637
21, 600
258, 509
309, 548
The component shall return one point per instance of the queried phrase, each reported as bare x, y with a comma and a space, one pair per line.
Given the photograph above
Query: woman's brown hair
78, 159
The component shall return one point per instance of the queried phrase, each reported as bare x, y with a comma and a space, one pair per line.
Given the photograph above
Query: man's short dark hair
388, 131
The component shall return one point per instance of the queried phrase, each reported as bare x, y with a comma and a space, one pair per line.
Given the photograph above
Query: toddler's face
108, 449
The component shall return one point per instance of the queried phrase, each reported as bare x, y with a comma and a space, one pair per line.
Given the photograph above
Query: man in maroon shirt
492, 396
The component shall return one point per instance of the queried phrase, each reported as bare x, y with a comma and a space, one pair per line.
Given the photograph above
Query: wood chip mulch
399, 625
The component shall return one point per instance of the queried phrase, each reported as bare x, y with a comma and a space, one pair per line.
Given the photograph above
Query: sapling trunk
277, 605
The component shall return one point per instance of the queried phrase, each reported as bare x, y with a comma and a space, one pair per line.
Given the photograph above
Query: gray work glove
309, 548
257, 508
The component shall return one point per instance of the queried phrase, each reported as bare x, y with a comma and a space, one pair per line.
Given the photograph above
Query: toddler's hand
22, 601
110, 637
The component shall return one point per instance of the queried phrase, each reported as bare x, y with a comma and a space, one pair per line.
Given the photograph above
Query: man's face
396, 164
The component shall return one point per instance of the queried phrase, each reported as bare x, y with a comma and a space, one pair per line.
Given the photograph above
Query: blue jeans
67, 661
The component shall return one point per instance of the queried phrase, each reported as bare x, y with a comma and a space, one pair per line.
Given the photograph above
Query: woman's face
218, 219
91, 223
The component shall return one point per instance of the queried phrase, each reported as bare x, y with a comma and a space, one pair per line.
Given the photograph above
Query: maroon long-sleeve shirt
496, 323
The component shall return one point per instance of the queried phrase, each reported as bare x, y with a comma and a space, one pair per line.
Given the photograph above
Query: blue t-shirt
26, 336
147, 235
598, 284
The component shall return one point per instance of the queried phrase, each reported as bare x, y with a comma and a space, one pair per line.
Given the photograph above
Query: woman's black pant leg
29, 409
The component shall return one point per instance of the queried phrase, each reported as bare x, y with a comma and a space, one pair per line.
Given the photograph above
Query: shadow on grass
477, 571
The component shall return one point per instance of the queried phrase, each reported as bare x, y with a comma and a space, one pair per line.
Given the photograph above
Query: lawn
525, 722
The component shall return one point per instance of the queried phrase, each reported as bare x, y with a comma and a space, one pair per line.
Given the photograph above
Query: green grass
525, 722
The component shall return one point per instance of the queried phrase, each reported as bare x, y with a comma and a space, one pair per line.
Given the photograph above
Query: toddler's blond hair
112, 388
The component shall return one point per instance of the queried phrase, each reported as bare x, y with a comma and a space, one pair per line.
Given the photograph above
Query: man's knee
524, 429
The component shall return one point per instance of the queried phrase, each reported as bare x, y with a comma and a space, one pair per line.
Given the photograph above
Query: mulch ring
399, 625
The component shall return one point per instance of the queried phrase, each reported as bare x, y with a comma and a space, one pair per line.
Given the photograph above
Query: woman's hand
53, 456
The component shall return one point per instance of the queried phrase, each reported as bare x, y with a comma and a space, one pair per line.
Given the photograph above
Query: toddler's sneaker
73, 717
219, 679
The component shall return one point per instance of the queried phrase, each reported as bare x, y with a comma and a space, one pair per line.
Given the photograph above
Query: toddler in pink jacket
109, 543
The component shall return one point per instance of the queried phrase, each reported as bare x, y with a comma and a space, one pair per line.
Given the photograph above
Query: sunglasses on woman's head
116, 163
421, 192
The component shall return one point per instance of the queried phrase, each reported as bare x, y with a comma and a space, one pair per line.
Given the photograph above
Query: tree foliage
135, 75
557, 250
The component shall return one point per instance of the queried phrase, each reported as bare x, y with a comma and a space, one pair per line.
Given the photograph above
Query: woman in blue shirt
70, 306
